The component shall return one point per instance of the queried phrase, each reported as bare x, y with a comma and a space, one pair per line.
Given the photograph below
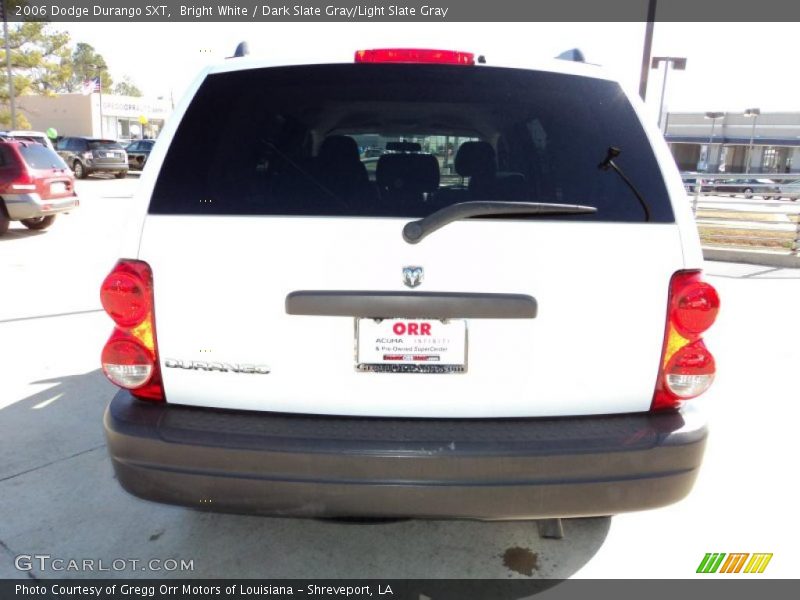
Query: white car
24, 134
521, 339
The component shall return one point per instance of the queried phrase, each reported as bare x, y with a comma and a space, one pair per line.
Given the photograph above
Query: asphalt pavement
58, 496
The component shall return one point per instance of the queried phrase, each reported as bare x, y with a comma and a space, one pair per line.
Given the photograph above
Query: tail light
130, 356
687, 367
414, 55
22, 181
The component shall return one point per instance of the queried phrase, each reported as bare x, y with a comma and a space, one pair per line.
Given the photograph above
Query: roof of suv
552, 65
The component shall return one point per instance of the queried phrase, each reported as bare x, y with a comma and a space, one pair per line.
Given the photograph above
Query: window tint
315, 140
41, 157
104, 145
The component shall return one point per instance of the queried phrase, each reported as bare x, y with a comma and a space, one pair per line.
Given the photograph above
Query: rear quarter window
41, 157
260, 142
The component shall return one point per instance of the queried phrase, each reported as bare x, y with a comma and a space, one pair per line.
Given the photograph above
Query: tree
87, 63
40, 60
127, 88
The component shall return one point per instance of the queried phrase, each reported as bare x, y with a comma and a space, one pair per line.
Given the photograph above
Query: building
735, 142
118, 117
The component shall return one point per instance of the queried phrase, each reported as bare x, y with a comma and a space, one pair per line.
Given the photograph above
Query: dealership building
96, 115
735, 142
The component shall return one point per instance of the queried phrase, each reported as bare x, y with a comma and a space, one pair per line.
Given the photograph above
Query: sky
731, 66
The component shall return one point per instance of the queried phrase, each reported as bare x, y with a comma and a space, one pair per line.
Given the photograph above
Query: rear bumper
299, 465
31, 206
95, 167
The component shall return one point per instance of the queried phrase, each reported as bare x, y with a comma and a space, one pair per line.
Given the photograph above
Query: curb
752, 257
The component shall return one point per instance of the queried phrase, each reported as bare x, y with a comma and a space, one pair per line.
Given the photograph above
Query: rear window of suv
397, 140
41, 157
104, 145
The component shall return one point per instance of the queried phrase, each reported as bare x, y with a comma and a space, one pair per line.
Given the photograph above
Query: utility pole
648, 48
11, 98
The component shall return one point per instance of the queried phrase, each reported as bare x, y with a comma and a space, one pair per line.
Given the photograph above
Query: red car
35, 185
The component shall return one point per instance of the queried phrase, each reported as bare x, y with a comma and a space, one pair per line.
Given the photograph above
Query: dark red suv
35, 185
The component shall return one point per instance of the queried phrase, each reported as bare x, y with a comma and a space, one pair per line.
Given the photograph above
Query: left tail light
130, 356
687, 368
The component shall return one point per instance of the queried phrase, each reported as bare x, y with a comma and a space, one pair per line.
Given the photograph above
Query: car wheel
121, 175
4, 220
39, 222
79, 170
140, 162
748, 193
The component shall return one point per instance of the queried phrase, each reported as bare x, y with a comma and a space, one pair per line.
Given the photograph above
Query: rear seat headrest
339, 148
415, 173
475, 158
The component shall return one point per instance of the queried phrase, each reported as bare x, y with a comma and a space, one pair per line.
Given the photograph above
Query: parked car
24, 134
310, 353
789, 190
87, 156
766, 188
35, 185
691, 183
138, 153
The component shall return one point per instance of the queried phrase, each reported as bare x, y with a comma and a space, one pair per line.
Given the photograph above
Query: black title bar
400, 10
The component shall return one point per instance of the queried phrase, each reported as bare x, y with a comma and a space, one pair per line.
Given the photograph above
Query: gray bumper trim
425, 305
279, 464
29, 206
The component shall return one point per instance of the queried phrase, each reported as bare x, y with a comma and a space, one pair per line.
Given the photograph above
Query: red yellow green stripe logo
737, 562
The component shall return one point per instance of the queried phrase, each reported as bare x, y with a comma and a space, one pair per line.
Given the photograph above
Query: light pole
679, 64
11, 99
648, 45
713, 116
753, 113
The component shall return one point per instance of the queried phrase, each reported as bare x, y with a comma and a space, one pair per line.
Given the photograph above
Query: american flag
90, 85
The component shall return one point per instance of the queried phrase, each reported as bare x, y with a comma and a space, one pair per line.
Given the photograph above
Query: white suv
502, 321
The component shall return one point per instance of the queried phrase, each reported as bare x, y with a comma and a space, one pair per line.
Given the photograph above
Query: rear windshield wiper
608, 163
414, 231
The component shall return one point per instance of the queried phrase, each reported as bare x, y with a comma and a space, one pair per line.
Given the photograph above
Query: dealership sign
121, 106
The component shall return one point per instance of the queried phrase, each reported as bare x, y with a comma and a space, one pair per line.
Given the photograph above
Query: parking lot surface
59, 496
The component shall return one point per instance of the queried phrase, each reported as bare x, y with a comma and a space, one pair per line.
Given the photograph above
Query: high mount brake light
687, 367
130, 356
415, 55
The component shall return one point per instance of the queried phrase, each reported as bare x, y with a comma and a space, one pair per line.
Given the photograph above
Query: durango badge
216, 366
413, 276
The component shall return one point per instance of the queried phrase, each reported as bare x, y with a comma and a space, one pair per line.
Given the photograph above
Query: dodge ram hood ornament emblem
413, 276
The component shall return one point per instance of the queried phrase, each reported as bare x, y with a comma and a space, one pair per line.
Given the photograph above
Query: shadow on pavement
57, 481
58, 422
16, 233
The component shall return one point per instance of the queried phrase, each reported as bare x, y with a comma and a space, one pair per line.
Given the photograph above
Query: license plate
58, 187
411, 345
110, 155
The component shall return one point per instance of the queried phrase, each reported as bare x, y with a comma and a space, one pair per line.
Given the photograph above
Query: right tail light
687, 367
